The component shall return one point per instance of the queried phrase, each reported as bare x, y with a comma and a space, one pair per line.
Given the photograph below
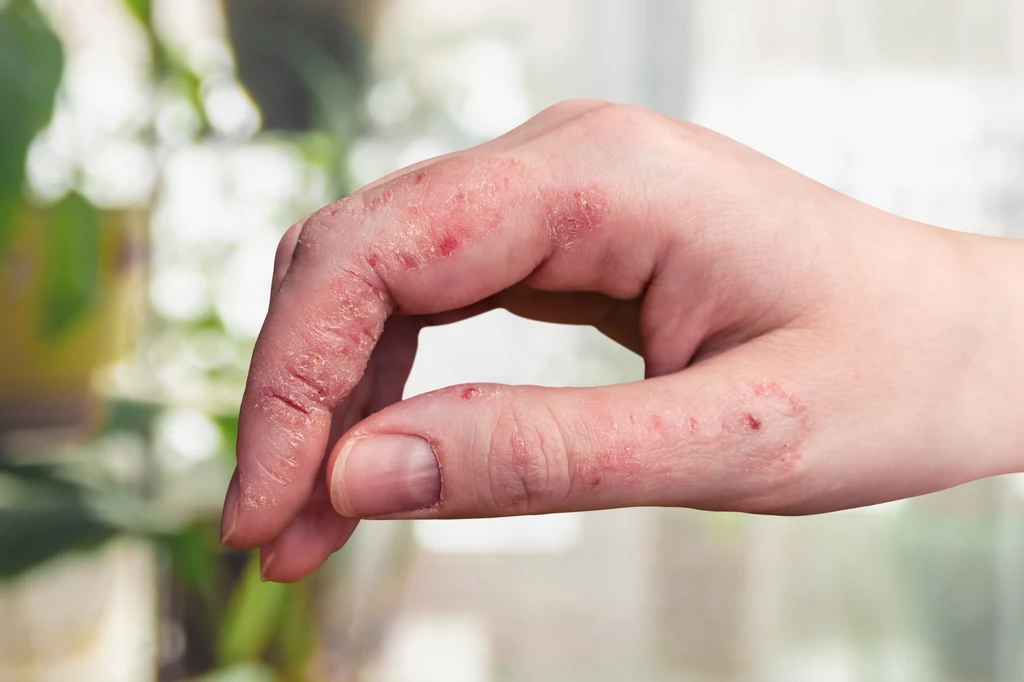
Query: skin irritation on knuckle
572, 216
460, 202
774, 423
523, 480
621, 456
761, 429
438, 212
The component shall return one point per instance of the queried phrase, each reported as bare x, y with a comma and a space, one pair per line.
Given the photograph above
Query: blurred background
153, 151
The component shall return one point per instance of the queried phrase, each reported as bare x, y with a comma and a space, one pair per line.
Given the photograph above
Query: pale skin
804, 352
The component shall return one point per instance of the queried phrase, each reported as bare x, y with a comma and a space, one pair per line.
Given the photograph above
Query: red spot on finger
469, 393
447, 244
615, 467
751, 422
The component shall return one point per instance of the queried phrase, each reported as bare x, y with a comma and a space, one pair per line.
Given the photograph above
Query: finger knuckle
567, 107
318, 229
620, 117
526, 467
770, 431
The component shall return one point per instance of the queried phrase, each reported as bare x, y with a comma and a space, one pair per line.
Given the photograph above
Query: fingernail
378, 475
266, 560
230, 515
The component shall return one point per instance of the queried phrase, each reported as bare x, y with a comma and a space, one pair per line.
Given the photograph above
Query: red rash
457, 202
693, 425
777, 431
762, 427
434, 213
572, 216
447, 244
625, 466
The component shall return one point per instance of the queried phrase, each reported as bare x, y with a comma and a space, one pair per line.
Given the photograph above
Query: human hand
804, 352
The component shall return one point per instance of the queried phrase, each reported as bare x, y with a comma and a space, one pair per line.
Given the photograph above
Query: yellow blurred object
46, 377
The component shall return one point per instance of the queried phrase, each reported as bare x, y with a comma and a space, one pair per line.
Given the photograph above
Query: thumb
694, 439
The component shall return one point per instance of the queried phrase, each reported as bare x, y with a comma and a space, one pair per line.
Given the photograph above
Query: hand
804, 352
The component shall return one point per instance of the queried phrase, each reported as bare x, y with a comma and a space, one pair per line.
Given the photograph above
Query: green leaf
298, 631
252, 617
30, 537
71, 264
129, 415
194, 554
41, 482
141, 10
31, 61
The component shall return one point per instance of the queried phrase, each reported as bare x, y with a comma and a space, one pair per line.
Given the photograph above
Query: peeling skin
572, 216
731, 446
457, 203
758, 432
624, 466
358, 246
329, 354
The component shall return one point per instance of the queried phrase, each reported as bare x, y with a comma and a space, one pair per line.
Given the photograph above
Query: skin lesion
769, 424
528, 478
289, 401
460, 201
751, 422
571, 215
749, 440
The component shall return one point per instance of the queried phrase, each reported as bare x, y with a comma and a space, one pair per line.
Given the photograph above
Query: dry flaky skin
797, 343
430, 217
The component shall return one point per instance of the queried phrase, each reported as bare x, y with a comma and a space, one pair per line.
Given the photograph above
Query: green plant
31, 61
62, 500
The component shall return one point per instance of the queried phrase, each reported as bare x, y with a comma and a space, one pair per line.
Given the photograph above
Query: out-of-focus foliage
47, 516
30, 70
71, 262
31, 64
66, 498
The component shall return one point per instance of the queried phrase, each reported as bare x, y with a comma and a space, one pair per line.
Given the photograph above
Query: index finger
437, 239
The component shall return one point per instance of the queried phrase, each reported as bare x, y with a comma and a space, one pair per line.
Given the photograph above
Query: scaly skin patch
435, 213
571, 216
458, 202
753, 436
